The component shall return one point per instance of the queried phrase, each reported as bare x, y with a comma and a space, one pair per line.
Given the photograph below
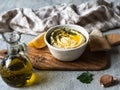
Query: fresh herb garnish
85, 77
69, 31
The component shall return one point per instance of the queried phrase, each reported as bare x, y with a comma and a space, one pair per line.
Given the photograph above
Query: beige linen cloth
99, 14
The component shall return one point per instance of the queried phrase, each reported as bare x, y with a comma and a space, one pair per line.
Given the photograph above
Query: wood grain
43, 60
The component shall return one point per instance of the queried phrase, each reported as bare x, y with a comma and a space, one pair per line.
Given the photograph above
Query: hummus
66, 38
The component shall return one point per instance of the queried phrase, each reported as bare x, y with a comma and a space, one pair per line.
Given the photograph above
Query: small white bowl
67, 54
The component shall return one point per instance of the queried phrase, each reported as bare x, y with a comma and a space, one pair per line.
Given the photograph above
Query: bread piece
97, 43
113, 39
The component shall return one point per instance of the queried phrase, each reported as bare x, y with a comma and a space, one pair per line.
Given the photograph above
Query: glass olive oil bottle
16, 68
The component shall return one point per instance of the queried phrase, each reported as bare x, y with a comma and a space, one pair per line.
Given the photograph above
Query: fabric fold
98, 14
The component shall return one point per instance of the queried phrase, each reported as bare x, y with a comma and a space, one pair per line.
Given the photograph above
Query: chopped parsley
85, 77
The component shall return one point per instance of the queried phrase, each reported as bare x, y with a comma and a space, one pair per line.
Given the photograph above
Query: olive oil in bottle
16, 68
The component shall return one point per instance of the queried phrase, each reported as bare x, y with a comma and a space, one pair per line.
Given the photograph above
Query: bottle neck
13, 49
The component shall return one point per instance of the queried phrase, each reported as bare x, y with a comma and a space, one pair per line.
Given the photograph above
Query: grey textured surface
62, 80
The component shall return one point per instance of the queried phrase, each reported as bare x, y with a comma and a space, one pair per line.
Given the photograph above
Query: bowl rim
66, 25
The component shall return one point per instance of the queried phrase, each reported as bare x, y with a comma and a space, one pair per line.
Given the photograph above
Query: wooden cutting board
98, 60
43, 60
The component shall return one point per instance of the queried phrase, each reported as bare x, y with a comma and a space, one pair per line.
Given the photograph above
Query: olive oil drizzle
59, 33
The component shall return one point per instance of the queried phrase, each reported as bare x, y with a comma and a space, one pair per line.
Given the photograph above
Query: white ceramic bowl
67, 54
